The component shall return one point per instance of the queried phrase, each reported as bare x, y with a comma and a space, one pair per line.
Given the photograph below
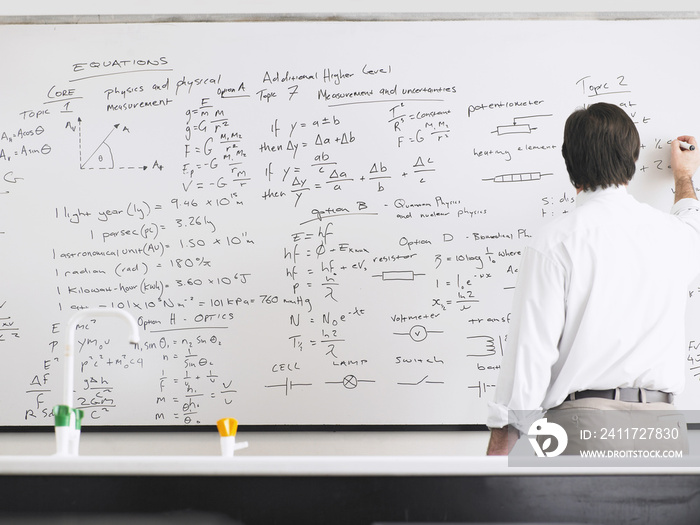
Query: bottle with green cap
67, 426
62, 422
62, 415
75, 431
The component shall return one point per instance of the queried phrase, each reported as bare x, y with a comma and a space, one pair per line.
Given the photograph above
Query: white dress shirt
599, 303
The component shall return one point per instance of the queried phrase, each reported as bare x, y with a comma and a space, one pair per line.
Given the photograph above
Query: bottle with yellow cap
227, 430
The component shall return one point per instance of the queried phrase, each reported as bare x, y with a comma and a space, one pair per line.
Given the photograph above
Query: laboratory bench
339, 490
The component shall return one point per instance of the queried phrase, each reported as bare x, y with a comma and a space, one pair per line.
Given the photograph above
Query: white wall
92, 7
301, 443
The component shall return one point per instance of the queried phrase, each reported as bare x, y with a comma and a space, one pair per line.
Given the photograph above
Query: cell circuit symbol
350, 382
418, 333
288, 386
482, 388
516, 127
518, 177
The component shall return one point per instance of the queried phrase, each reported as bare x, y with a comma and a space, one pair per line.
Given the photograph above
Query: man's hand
502, 441
684, 163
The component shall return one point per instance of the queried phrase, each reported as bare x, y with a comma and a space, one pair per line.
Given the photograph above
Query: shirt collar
590, 195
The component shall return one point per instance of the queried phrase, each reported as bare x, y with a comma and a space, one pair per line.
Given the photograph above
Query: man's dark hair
601, 146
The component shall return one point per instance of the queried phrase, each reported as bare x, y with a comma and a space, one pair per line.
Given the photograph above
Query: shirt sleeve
687, 209
688, 212
537, 323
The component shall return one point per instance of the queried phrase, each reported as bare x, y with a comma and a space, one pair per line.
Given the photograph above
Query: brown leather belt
629, 395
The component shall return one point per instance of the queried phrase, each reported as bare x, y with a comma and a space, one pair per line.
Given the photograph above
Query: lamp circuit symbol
350, 382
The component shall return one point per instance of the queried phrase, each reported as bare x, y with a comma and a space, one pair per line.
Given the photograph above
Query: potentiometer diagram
518, 126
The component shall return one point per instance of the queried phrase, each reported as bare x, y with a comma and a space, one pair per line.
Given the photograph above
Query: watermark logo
543, 428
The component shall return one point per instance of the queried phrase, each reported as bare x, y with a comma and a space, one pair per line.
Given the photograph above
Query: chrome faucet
68, 418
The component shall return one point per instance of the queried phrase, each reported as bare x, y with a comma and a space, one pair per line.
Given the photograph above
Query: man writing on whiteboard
599, 308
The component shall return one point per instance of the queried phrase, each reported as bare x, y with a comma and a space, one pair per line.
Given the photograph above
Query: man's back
623, 269
599, 308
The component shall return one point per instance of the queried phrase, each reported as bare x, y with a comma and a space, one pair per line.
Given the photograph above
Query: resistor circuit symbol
408, 275
350, 382
516, 127
518, 177
418, 333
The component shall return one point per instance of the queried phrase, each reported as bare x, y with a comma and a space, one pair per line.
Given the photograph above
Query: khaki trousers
605, 424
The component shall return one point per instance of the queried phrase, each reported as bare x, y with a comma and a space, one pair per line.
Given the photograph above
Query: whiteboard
313, 223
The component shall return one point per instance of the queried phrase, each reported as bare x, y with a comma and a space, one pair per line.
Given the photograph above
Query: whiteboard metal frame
343, 17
